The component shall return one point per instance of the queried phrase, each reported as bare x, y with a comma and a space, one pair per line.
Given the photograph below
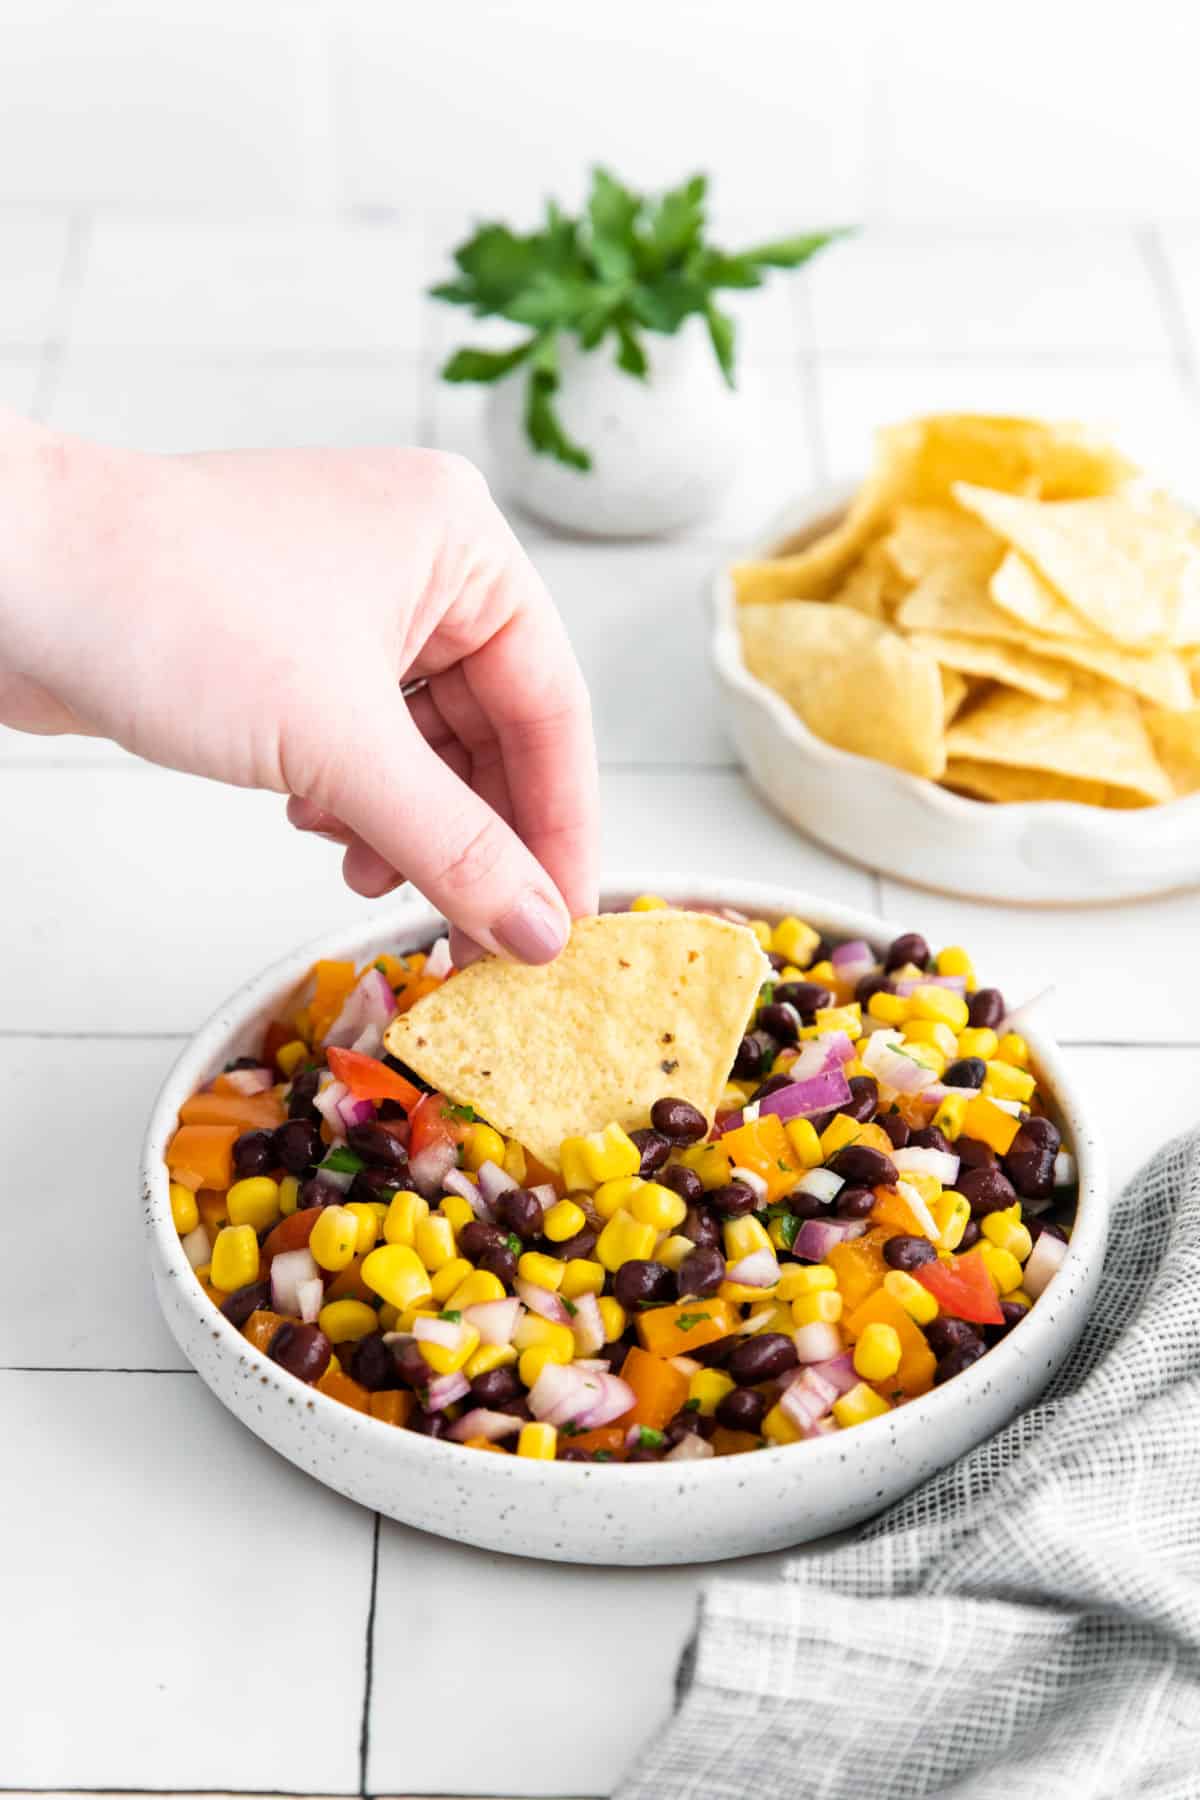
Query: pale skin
252, 617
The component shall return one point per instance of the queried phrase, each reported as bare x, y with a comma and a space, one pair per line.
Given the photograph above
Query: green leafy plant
630, 263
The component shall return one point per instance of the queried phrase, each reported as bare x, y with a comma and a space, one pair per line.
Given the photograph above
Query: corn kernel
877, 1352
798, 1279
673, 1252
772, 1316
916, 1300
514, 1163
482, 1144
444, 1361
743, 1237
838, 1018
789, 972
448, 1279
345, 1321
396, 1273
928, 1055
254, 1201
1019, 1297
433, 1242
1003, 1081
953, 960
647, 903
823, 974
741, 1292
611, 1196
185, 1214
932, 1031
659, 1206
543, 1271
289, 1195
840, 1131
563, 1220
601, 1156
581, 1276
991, 1124
389, 1318
488, 1357
980, 1041
801, 1134
824, 1307
1013, 1048
709, 1162
459, 1211
475, 1289
539, 1441
368, 1225
612, 1317
1002, 1266
891, 1008
951, 1213
403, 1216
856, 1067
425, 1309
762, 932
532, 1329
795, 940
1007, 1231
333, 1238
534, 1360
859, 1405
930, 1002
235, 1258
624, 1239
289, 1056
707, 1388
952, 1112
777, 1428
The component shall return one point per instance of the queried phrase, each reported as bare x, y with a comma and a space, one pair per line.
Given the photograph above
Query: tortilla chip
955, 689
863, 588
1096, 728
926, 539
1176, 739
1129, 563
1029, 600
1012, 455
637, 1006
995, 661
854, 682
991, 781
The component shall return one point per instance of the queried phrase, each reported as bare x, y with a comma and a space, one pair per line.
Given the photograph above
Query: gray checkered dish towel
1026, 1626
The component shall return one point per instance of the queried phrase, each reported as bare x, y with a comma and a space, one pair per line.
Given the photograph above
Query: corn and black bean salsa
880, 1198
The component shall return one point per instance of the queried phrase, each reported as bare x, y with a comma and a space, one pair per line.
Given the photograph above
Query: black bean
302, 1094
973, 1153
390, 1109
908, 1253
573, 1454
776, 961
298, 1145
863, 1103
302, 1350
238, 1306
254, 1153
805, 996
1029, 1160
684, 1182
761, 1358
967, 1072
374, 1184
653, 1149
1013, 1313
741, 1410
1040, 1225
908, 948
314, 1192
501, 1262
702, 1226
521, 1212
955, 1361
869, 986
944, 1333
377, 1146
411, 1367
755, 1054
429, 1424
783, 1022
678, 1120
807, 1206
637, 1283
477, 1236
733, 1199
771, 1085
864, 1166
518, 1407
688, 1424
986, 1008
582, 1244
700, 1273
896, 1128
928, 1137
496, 1388
988, 1190
854, 1203
643, 1453
971, 1235
372, 1364
713, 1355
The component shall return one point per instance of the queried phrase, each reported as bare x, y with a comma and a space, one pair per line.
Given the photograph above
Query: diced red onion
542, 1301
817, 1237
817, 1343
354, 1112
838, 1047
444, 1390
853, 960
1045, 1260
692, 1448
893, 1068
250, 1081
289, 1270
196, 1247
807, 1399
939, 1163
812, 1058
592, 1362
818, 1093
1065, 1172
454, 1181
956, 983
759, 1269
326, 1100
494, 1181
687, 1365
494, 1320
481, 1421
562, 1393
429, 1168
822, 1184
369, 1002
587, 1326
750, 1179
447, 1334
1015, 1108
544, 1194
1020, 1016
369, 1041
311, 1296
838, 1371
616, 1399
341, 1179
437, 962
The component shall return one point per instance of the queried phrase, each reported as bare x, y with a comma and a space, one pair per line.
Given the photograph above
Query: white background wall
970, 109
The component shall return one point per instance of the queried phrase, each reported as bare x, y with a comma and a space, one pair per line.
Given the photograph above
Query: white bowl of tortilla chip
591, 1513
903, 822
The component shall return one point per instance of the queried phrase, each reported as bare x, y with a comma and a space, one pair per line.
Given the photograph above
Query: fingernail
533, 931
464, 950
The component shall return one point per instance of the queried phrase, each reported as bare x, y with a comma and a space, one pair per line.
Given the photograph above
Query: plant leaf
723, 332
630, 355
717, 270
543, 427
664, 304
555, 301
612, 214
499, 264
486, 365
789, 253
676, 222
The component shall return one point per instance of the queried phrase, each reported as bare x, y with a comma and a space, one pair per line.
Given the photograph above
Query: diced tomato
963, 1288
434, 1121
291, 1233
369, 1079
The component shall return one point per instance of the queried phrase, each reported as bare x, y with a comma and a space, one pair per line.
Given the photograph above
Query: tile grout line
1174, 317
364, 1736
70, 280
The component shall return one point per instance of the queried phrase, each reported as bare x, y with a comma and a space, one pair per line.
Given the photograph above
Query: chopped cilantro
690, 1406
649, 1439
465, 1113
778, 1209
602, 1455
766, 993
572, 1309
382, 967
454, 1317
789, 1226
570, 1429
514, 1243
342, 1161
688, 1321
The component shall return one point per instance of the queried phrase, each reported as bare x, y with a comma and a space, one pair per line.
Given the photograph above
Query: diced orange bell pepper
213, 1209
538, 1175
275, 1037
291, 1233
332, 982
482, 1443
859, 1266
343, 1387
659, 1389
875, 1138
261, 1327
394, 971
248, 1112
201, 1156
917, 1361
729, 1443
349, 1284
393, 1407
603, 1437
415, 989
892, 1210
674, 1330
763, 1148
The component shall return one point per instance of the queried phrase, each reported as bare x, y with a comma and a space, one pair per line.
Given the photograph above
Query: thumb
413, 810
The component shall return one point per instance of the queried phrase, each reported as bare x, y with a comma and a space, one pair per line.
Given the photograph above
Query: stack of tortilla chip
1005, 607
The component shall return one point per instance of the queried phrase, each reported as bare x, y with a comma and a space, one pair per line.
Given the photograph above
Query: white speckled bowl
580, 1512
1056, 851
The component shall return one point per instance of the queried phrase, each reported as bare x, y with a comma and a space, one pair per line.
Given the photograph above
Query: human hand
252, 616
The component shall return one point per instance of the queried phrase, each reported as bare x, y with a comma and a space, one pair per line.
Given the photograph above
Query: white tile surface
33, 249
1180, 247
19, 374
75, 1165
265, 285
1071, 289
1146, 1098
192, 1609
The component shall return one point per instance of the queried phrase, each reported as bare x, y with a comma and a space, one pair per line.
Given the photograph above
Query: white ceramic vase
663, 450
